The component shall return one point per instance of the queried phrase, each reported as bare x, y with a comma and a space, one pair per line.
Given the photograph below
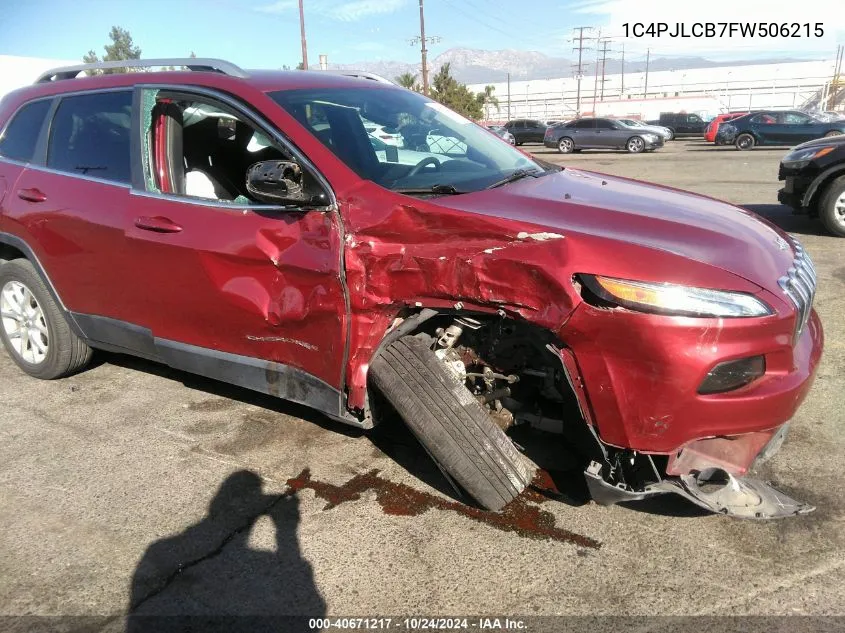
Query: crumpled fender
415, 254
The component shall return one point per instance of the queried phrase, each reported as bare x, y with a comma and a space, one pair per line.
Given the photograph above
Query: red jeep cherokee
246, 227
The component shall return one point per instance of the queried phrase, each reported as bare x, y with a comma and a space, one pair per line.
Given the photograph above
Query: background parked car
502, 132
681, 123
527, 130
713, 127
815, 181
389, 136
665, 132
590, 133
772, 127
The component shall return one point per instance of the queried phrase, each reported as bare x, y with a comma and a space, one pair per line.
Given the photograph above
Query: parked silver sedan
665, 132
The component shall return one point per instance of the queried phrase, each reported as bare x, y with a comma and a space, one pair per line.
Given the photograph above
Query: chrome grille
799, 284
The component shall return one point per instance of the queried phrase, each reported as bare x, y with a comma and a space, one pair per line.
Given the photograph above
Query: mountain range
474, 66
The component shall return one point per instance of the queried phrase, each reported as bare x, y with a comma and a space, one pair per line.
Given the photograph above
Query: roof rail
200, 64
360, 74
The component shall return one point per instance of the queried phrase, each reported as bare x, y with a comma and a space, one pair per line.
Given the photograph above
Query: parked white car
386, 135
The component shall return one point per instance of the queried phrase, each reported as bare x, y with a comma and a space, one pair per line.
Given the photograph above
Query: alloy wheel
565, 145
635, 145
839, 209
24, 323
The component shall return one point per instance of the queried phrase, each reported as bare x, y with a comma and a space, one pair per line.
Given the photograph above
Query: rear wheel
565, 145
832, 207
744, 141
34, 330
450, 423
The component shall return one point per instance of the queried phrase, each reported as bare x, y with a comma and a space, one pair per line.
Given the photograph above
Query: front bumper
641, 374
793, 191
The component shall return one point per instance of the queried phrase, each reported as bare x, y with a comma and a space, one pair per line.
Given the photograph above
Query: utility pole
604, 42
422, 40
647, 58
579, 70
596, 84
622, 89
509, 96
302, 37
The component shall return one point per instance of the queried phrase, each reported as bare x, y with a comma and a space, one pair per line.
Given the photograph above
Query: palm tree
487, 99
409, 81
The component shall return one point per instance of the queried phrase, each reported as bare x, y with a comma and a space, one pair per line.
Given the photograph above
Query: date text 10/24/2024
723, 29
419, 624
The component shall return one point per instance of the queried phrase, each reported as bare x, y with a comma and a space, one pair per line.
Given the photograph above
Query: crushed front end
691, 405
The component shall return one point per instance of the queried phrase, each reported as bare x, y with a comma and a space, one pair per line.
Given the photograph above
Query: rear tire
744, 141
33, 329
452, 426
566, 145
832, 207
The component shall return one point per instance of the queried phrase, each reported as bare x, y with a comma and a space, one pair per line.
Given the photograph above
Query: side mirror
277, 182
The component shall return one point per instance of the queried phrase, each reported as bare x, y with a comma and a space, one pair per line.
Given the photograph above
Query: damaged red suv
246, 226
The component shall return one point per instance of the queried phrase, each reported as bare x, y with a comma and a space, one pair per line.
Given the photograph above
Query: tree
409, 81
122, 47
487, 100
455, 95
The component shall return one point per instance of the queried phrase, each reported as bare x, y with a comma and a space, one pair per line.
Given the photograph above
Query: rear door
71, 203
535, 131
18, 143
583, 133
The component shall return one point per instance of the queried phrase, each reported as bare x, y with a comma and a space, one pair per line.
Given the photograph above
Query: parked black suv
526, 130
681, 123
815, 181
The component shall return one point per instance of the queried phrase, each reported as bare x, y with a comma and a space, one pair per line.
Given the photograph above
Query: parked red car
713, 127
243, 226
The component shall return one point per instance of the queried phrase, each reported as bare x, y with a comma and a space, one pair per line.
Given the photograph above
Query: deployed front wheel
450, 423
34, 331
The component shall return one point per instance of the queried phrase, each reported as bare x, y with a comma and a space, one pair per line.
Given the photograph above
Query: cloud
613, 14
280, 6
360, 9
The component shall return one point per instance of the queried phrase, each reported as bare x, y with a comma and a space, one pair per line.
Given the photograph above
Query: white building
706, 91
16, 72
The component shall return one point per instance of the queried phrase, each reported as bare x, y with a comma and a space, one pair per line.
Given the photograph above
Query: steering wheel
425, 162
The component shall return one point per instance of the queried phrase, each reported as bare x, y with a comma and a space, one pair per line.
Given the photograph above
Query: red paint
713, 127
273, 288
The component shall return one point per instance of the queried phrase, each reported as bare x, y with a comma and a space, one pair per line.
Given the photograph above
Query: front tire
635, 145
450, 423
744, 142
566, 145
33, 329
832, 207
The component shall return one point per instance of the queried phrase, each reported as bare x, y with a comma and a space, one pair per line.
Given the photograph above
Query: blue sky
265, 33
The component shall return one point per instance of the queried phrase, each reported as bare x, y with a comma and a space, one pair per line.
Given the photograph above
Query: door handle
31, 195
157, 224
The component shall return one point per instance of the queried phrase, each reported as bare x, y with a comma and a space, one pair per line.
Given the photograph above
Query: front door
221, 275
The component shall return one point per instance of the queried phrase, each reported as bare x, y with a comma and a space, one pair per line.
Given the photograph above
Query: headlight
650, 137
802, 157
671, 299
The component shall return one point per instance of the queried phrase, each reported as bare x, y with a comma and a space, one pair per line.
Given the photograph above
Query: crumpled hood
575, 202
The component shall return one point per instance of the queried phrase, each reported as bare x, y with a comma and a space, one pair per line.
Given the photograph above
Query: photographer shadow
219, 575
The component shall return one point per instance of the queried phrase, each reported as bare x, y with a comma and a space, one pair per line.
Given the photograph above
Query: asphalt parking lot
132, 487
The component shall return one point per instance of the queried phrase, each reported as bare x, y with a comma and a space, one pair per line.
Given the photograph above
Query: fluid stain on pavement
519, 516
